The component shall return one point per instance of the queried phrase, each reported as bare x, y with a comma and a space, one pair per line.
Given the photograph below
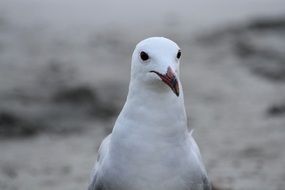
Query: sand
235, 109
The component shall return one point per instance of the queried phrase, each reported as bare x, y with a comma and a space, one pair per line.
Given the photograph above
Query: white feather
150, 147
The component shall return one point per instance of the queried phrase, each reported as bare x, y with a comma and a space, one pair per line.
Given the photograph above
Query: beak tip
176, 92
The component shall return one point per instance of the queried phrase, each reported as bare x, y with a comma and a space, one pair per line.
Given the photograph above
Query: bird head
155, 62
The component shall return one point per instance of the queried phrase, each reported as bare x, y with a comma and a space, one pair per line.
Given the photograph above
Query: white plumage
150, 147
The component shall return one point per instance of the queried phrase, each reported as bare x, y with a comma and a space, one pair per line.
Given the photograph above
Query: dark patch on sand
276, 110
86, 97
76, 95
55, 103
258, 45
14, 125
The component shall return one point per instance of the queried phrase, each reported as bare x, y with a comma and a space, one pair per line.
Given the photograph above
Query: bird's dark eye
178, 54
144, 56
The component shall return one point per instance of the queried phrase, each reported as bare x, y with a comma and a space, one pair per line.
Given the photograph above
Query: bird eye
144, 56
178, 54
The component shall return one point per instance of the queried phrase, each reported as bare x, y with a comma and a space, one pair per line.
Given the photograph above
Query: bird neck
153, 112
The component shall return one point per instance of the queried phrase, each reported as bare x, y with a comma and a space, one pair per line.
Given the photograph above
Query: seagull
150, 147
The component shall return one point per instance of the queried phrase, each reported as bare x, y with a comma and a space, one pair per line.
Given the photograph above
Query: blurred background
64, 73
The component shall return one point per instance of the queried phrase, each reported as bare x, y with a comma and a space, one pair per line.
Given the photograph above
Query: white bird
150, 147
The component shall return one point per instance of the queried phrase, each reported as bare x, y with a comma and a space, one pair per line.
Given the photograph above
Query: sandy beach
64, 74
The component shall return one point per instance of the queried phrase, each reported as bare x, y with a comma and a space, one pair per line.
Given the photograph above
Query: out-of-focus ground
64, 73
